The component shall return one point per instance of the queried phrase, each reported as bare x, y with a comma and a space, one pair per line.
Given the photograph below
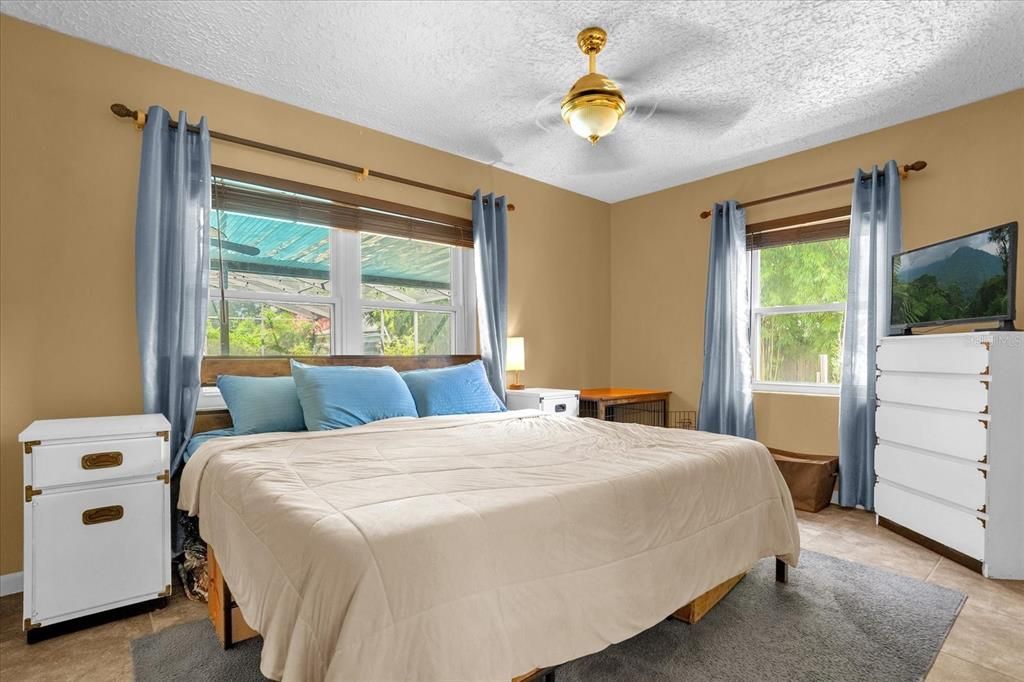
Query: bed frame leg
781, 571
225, 592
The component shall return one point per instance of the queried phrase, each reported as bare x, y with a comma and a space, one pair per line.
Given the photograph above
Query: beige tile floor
986, 643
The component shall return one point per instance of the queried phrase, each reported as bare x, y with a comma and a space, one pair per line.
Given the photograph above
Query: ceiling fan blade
655, 66
705, 118
547, 113
482, 149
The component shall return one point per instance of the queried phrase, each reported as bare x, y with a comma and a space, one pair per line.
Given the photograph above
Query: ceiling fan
596, 104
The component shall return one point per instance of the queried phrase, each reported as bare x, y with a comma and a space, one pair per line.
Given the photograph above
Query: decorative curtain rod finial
121, 111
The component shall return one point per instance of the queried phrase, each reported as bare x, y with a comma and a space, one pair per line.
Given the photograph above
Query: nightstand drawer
566, 406
77, 463
97, 547
558, 401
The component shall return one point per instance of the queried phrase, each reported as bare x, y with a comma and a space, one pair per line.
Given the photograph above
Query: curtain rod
361, 172
916, 166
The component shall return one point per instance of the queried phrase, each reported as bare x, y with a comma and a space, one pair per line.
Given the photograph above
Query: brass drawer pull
102, 460
102, 514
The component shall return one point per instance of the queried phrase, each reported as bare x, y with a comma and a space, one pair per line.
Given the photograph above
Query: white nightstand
560, 401
97, 516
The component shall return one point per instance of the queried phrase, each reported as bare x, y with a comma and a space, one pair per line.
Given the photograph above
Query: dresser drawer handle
102, 514
102, 460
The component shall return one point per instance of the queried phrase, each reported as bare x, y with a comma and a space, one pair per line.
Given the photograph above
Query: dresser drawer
952, 527
952, 392
952, 355
958, 481
77, 463
97, 547
960, 434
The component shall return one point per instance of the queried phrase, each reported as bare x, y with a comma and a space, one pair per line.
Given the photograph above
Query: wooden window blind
249, 193
831, 223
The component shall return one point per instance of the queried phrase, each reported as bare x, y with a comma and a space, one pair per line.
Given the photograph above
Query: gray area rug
835, 620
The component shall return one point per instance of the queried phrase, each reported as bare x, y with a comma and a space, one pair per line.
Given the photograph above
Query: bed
475, 546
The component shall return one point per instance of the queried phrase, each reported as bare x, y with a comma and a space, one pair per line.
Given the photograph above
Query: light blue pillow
337, 397
261, 404
462, 389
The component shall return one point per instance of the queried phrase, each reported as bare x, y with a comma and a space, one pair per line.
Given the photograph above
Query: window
798, 307
406, 296
293, 274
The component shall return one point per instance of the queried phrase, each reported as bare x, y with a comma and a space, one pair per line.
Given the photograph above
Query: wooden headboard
277, 366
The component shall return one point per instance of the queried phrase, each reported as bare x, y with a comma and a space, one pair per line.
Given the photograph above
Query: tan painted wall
974, 179
67, 211
67, 205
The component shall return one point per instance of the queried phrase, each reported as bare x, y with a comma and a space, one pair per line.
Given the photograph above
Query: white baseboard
11, 583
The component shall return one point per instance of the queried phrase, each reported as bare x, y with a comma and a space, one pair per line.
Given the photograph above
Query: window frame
758, 313
345, 300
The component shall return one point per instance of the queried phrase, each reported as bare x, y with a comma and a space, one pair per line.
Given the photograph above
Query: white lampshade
515, 360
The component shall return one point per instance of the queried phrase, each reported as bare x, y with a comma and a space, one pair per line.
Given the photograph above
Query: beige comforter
476, 547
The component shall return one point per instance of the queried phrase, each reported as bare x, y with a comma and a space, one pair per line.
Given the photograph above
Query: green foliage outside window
791, 344
388, 331
256, 328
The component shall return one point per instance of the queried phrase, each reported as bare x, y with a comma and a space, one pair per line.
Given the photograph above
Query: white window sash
758, 313
346, 303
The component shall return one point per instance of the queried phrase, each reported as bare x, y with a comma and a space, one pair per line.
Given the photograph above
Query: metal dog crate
651, 413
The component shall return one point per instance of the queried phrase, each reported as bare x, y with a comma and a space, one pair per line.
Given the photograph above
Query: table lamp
515, 360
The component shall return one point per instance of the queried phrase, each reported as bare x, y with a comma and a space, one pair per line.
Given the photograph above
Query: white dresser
560, 401
949, 459
97, 516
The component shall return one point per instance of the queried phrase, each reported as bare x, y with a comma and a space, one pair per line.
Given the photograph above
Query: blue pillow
261, 404
462, 389
337, 397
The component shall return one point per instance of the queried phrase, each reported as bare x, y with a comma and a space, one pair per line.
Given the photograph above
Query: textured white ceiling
744, 81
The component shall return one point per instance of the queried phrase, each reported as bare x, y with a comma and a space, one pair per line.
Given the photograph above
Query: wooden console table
601, 402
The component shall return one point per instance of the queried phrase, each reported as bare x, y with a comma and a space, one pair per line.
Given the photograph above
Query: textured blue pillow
261, 404
336, 397
462, 389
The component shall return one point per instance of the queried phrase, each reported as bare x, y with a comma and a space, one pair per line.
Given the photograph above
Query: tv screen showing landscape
967, 278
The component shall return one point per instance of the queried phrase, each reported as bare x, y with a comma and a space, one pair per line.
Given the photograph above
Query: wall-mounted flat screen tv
961, 280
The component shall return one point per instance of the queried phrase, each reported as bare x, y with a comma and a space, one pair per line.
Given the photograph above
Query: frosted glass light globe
593, 121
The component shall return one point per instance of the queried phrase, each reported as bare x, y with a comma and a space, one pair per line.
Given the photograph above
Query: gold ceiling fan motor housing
594, 104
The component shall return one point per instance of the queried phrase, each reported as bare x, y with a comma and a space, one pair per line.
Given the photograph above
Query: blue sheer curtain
172, 227
875, 237
490, 249
726, 396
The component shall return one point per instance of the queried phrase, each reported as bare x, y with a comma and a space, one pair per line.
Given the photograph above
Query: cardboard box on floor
811, 478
